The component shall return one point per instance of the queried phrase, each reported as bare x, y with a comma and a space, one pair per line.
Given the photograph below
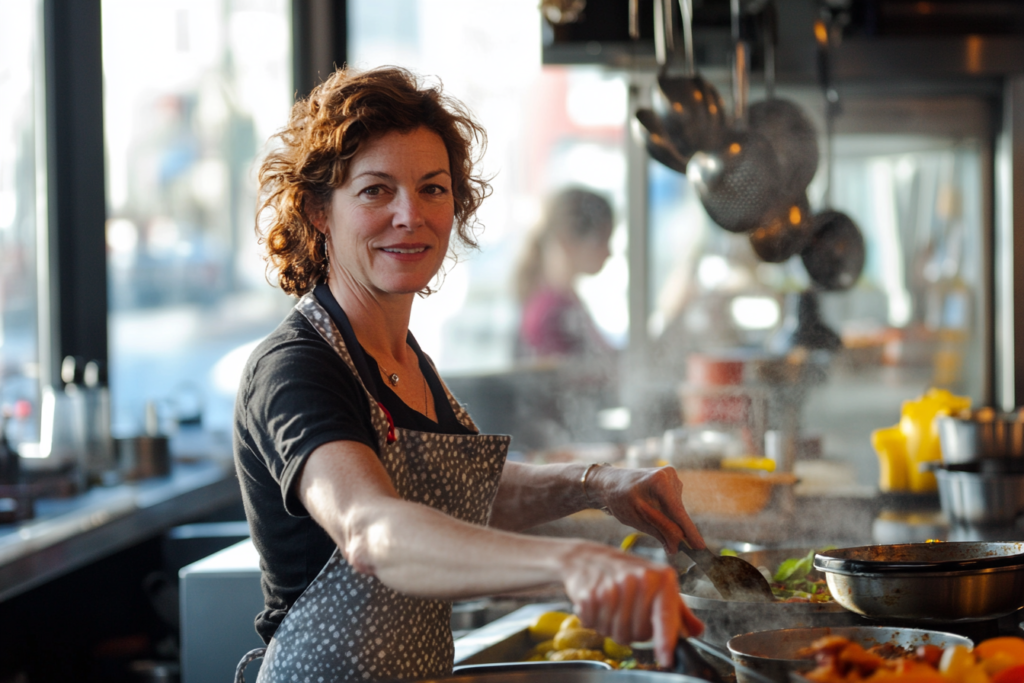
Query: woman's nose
408, 210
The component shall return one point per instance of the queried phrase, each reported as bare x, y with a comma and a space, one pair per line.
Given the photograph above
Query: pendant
393, 378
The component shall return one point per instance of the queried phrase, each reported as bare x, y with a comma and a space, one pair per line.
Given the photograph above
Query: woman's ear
318, 215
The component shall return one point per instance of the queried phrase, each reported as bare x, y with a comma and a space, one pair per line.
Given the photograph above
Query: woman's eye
436, 189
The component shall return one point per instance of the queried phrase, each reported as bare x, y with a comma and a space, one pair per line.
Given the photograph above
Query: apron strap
248, 658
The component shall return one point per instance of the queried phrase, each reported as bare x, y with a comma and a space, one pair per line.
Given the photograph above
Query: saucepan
937, 582
776, 653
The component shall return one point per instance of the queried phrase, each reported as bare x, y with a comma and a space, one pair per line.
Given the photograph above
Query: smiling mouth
397, 250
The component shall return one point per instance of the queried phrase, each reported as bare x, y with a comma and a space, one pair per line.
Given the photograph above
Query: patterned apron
348, 626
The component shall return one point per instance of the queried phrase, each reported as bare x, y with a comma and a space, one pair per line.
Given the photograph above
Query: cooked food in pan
839, 660
796, 580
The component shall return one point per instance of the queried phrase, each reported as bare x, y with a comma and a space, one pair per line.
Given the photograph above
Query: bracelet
583, 481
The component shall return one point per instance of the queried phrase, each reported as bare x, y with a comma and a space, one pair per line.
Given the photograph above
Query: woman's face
388, 225
590, 253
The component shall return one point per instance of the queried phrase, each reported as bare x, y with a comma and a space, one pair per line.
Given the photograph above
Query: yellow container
891, 447
915, 440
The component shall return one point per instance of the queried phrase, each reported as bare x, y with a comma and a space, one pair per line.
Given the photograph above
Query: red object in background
713, 393
22, 409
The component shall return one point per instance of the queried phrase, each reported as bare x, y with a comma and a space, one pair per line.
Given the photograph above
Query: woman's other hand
649, 500
628, 598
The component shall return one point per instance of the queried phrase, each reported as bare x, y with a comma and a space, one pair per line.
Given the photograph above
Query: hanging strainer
786, 233
787, 229
738, 183
784, 124
835, 255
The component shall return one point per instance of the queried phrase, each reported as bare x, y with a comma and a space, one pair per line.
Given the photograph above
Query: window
21, 126
193, 89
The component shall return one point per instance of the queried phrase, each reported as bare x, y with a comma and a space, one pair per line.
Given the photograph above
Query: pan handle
719, 653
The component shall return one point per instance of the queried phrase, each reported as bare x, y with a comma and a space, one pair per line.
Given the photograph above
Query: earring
326, 261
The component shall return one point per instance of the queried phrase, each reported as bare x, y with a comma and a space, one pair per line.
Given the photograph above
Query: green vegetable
795, 568
728, 552
791, 580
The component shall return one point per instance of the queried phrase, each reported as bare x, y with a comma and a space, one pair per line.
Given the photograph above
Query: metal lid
918, 558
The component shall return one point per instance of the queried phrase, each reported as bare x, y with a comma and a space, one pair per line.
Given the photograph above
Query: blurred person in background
571, 240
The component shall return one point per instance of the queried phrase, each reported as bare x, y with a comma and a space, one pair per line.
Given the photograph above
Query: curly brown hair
325, 132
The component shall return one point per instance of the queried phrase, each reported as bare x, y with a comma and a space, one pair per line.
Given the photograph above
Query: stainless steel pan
938, 582
775, 653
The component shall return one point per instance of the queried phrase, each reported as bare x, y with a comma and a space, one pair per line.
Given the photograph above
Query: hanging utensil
657, 143
561, 12
738, 183
785, 233
784, 124
834, 257
735, 579
788, 229
693, 111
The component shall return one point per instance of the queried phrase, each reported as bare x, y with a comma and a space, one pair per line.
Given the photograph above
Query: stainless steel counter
70, 533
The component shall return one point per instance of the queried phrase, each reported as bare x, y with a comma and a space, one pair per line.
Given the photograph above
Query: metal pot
983, 434
724, 619
929, 582
775, 653
969, 493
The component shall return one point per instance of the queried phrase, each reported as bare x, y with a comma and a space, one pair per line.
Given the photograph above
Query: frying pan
725, 618
774, 653
938, 582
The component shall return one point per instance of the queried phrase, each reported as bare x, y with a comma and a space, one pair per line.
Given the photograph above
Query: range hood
881, 39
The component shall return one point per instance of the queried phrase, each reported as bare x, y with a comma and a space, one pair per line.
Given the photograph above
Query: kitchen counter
69, 533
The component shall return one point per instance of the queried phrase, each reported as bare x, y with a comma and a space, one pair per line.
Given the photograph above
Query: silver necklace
391, 377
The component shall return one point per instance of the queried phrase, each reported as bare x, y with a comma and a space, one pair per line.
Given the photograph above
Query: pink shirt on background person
556, 323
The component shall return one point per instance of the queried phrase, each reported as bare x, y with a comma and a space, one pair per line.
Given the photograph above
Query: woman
571, 240
372, 498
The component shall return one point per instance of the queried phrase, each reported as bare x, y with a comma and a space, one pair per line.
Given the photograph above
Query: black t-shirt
297, 394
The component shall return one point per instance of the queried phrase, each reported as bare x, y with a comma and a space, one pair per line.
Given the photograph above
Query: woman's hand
628, 598
649, 500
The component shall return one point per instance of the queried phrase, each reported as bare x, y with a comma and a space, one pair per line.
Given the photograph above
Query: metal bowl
927, 582
775, 653
969, 493
981, 434
725, 618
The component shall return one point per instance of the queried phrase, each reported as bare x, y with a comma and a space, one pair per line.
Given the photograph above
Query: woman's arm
649, 500
417, 550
